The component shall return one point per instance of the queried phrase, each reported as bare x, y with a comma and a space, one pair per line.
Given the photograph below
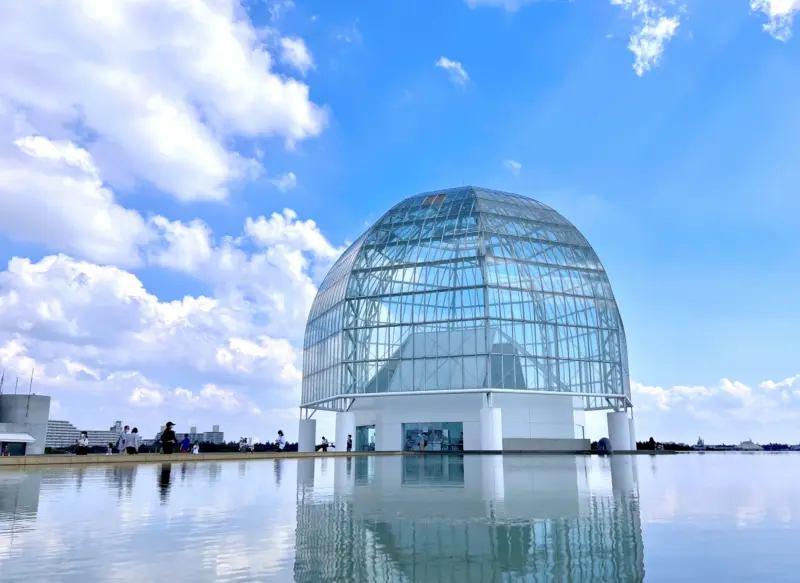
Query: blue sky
148, 151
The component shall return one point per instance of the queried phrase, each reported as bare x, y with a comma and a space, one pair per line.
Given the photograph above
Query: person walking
82, 445
122, 440
324, 446
186, 444
134, 441
168, 438
349, 442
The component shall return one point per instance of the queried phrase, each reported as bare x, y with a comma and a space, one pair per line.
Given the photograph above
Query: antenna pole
2, 380
30, 386
15, 386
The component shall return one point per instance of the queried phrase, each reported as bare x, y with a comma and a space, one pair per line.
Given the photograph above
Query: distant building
23, 423
63, 434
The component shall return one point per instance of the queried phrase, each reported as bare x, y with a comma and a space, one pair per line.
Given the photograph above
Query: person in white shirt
324, 446
280, 443
134, 441
122, 440
82, 444
195, 448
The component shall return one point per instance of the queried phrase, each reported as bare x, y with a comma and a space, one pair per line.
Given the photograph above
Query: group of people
128, 442
169, 441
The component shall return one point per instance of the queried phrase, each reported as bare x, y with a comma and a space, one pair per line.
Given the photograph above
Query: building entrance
365, 438
436, 436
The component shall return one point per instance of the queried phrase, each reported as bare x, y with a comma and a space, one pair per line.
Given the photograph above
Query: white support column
619, 430
493, 483
632, 429
491, 429
307, 436
623, 474
343, 476
345, 425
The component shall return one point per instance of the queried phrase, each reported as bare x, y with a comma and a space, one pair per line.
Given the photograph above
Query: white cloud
154, 88
92, 329
51, 193
652, 30
513, 166
454, 69
781, 15
142, 397
786, 384
285, 181
729, 411
279, 9
210, 397
295, 53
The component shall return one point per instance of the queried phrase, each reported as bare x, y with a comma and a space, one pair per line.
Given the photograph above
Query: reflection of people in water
163, 481
278, 467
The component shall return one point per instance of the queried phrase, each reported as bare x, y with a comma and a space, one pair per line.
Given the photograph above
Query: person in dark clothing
349, 443
168, 438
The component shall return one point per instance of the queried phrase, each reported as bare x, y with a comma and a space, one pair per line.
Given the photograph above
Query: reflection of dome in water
465, 520
455, 295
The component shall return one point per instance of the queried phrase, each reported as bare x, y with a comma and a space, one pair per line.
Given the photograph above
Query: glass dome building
466, 319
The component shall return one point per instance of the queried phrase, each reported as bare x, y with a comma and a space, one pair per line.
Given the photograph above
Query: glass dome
462, 290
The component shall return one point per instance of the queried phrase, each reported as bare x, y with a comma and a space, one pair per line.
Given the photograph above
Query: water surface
731, 517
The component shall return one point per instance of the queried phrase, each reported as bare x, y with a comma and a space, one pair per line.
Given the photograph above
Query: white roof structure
16, 438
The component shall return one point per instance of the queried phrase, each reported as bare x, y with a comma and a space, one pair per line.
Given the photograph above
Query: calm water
714, 517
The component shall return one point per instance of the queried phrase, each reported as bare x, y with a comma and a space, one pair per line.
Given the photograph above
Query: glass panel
434, 436
365, 438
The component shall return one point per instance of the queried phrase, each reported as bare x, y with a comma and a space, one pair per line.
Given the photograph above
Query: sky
176, 177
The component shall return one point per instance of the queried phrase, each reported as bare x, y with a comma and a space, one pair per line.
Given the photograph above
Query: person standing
122, 440
168, 438
280, 443
324, 446
134, 441
82, 445
349, 442
186, 444
195, 448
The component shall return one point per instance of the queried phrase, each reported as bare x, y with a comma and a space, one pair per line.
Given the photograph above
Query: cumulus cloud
153, 87
295, 53
52, 193
91, 329
780, 14
653, 28
454, 69
728, 411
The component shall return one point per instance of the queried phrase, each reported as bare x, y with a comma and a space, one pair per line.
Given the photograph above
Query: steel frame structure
535, 286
